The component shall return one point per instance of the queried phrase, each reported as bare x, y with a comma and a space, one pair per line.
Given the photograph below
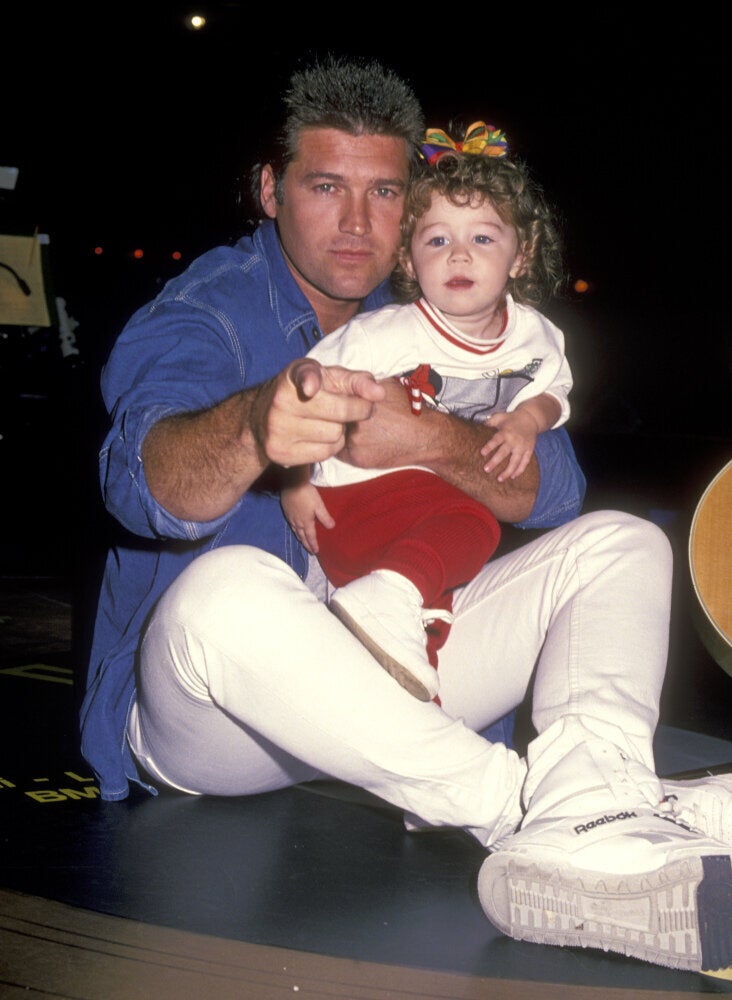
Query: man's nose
356, 219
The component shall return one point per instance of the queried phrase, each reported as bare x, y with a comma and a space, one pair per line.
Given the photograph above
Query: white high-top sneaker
384, 611
596, 864
704, 803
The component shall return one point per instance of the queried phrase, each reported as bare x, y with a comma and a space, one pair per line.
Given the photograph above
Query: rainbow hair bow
480, 140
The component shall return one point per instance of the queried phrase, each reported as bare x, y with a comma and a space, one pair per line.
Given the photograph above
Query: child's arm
303, 507
516, 434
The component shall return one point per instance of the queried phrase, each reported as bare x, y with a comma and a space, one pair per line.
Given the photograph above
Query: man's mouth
347, 255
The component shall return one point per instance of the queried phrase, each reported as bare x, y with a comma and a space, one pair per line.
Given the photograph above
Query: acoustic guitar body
710, 561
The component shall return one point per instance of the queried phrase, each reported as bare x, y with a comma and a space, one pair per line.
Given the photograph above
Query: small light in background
195, 22
138, 254
581, 286
177, 255
98, 251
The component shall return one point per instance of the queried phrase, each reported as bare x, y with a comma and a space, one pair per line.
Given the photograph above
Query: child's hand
515, 439
304, 508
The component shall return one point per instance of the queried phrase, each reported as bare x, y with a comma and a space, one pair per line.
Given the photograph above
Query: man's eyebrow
396, 182
326, 175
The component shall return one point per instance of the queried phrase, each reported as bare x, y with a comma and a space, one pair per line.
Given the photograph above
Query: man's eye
326, 187
387, 192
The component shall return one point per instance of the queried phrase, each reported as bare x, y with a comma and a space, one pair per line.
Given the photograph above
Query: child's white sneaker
384, 611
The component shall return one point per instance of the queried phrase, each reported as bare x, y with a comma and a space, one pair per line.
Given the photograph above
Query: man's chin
353, 288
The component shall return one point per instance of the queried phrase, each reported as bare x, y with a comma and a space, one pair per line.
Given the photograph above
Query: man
246, 682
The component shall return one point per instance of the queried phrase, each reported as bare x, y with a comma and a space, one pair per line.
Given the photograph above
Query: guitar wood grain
710, 562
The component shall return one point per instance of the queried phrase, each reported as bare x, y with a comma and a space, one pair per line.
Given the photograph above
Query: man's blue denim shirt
232, 320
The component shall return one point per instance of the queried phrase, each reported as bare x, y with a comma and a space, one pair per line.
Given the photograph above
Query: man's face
339, 219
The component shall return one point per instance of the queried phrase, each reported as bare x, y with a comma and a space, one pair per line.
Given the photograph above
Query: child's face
462, 256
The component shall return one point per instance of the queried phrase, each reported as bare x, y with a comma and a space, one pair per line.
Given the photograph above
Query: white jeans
248, 683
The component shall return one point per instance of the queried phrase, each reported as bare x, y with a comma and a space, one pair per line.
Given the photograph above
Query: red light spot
98, 251
138, 254
176, 255
581, 285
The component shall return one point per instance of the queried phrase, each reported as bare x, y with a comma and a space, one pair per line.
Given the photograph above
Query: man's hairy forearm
452, 450
198, 465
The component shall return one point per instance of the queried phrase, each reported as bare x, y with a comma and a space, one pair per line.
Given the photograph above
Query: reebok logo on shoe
602, 820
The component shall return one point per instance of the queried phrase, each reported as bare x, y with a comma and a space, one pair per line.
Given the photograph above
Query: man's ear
267, 187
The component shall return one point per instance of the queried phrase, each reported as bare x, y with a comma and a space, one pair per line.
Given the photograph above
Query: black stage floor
322, 870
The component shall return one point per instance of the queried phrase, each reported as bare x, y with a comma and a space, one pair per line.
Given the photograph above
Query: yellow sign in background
23, 255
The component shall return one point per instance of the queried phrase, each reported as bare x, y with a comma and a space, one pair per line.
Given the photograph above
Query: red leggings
414, 523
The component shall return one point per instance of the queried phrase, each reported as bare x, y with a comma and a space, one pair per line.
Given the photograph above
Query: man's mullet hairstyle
355, 96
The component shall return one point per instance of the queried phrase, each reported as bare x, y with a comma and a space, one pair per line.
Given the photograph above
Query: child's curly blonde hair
466, 178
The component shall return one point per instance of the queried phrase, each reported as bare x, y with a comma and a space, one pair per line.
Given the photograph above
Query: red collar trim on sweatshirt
433, 317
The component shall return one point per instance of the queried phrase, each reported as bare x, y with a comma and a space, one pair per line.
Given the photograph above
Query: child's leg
400, 546
411, 522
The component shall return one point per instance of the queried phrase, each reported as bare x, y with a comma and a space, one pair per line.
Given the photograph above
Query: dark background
130, 130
